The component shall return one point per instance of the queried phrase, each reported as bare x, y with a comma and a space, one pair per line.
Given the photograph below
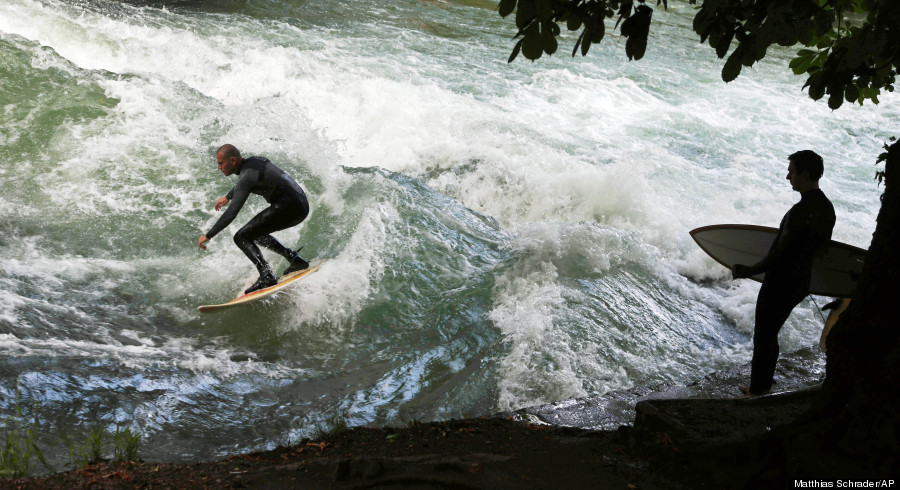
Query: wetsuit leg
271, 243
773, 307
278, 216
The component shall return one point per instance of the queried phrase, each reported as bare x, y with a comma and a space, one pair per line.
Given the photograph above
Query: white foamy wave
341, 288
538, 367
9, 304
34, 280
178, 353
585, 247
141, 153
548, 359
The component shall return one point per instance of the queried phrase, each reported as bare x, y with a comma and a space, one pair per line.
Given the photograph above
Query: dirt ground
472, 453
674, 444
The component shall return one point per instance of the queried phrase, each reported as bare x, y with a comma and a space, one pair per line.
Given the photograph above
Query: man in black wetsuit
804, 231
288, 207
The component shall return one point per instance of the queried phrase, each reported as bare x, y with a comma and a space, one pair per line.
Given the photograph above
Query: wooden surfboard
283, 282
834, 272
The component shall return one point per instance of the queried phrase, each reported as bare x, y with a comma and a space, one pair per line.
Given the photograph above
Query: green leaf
506, 7
851, 93
625, 11
870, 93
836, 99
524, 14
625, 8
553, 27
816, 89
802, 63
748, 54
578, 43
799, 66
585, 46
532, 44
706, 23
544, 8
515, 51
733, 66
549, 38
724, 43
636, 28
597, 32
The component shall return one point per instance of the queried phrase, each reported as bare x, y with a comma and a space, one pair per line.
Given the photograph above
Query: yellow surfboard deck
283, 282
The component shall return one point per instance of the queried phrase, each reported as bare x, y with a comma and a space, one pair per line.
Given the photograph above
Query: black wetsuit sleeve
239, 195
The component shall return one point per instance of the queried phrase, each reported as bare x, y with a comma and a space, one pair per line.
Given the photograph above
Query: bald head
228, 150
228, 159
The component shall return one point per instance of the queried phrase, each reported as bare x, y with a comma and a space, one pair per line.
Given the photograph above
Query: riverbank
676, 443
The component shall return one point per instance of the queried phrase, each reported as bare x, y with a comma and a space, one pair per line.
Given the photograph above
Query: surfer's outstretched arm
222, 202
237, 197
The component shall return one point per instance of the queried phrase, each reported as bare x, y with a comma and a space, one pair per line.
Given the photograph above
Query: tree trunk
861, 393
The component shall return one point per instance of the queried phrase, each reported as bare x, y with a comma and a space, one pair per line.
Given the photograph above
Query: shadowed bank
674, 443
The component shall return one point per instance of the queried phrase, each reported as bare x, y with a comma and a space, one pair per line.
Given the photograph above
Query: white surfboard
283, 282
834, 273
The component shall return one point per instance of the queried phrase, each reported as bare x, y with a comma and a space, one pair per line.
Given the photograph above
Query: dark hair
229, 151
808, 161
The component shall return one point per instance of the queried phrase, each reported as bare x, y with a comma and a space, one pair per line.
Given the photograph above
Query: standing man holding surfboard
288, 207
804, 231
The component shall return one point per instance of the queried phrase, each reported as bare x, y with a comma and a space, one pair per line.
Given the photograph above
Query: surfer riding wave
288, 208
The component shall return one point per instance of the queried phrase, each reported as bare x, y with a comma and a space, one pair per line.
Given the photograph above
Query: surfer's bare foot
745, 390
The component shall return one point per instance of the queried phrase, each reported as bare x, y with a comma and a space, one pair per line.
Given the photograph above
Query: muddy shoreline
674, 443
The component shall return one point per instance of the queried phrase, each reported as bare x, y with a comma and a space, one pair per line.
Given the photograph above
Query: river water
497, 236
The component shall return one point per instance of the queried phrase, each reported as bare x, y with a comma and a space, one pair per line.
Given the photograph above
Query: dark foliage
538, 22
851, 48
